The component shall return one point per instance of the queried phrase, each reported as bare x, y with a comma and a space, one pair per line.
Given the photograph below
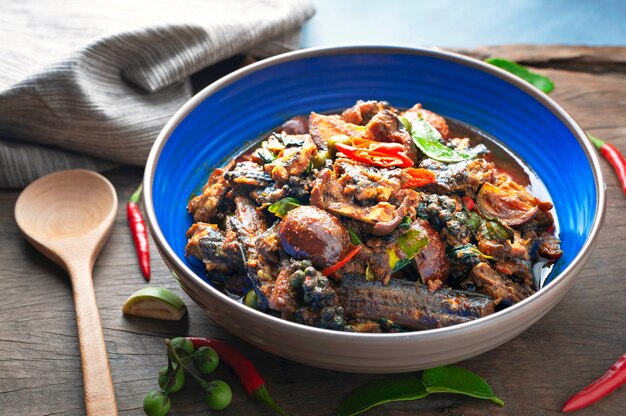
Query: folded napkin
90, 84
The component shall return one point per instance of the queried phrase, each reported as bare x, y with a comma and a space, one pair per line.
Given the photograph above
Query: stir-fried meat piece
334, 195
268, 245
505, 183
326, 189
223, 260
408, 305
435, 120
292, 161
308, 232
296, 187
248, 173
268, 195
431, 262
296, 125
363, 111
502, 289
283, 298
385, 127
204, 206
324, 127
367, 182
383, 212
549, 247
248, 223
494, 202
405, 200
462, 176
512, 258
206, 242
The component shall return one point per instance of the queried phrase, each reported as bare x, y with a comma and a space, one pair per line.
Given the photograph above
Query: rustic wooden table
534, 373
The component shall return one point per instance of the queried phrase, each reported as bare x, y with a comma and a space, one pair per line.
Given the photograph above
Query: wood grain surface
534, 374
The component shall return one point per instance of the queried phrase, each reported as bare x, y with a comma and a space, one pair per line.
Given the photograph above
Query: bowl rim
568, 273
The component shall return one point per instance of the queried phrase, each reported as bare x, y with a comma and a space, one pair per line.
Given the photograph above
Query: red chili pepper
139, 232
332, 269
419, 177
612, 379
468, 202
383, 155
614, 157
247, 374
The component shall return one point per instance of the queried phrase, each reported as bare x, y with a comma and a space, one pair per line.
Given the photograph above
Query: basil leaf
428, 140
282, 207
540, 81
377, 392
451, 379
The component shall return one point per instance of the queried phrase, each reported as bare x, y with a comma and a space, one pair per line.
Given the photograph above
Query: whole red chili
139, 232
247, 374
614, 157
332, 269
612, 379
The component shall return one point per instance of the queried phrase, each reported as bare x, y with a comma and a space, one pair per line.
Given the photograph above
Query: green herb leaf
406, 222
376, 392
282, 207
540, 81
429, 141
467, 252
451, 379
354, 238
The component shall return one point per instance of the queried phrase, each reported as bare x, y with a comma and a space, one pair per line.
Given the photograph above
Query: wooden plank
534, 373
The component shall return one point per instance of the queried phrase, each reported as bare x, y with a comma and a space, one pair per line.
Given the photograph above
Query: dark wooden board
534, 373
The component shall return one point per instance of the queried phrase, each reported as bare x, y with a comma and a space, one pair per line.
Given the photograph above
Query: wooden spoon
68, 216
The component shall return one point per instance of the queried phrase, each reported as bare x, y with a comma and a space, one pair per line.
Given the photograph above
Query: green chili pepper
429, 141
282, 207
540, 81
405, 248
447, 379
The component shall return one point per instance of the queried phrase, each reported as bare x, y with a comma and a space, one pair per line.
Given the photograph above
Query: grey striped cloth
90, 84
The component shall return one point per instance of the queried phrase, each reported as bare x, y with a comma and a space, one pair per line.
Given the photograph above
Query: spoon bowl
68, 217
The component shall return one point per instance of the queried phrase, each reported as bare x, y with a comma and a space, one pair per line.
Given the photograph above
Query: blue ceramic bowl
240, 107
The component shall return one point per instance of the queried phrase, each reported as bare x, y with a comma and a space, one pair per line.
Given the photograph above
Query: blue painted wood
466, 23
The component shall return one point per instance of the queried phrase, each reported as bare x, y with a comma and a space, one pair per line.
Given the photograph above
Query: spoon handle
98, 386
